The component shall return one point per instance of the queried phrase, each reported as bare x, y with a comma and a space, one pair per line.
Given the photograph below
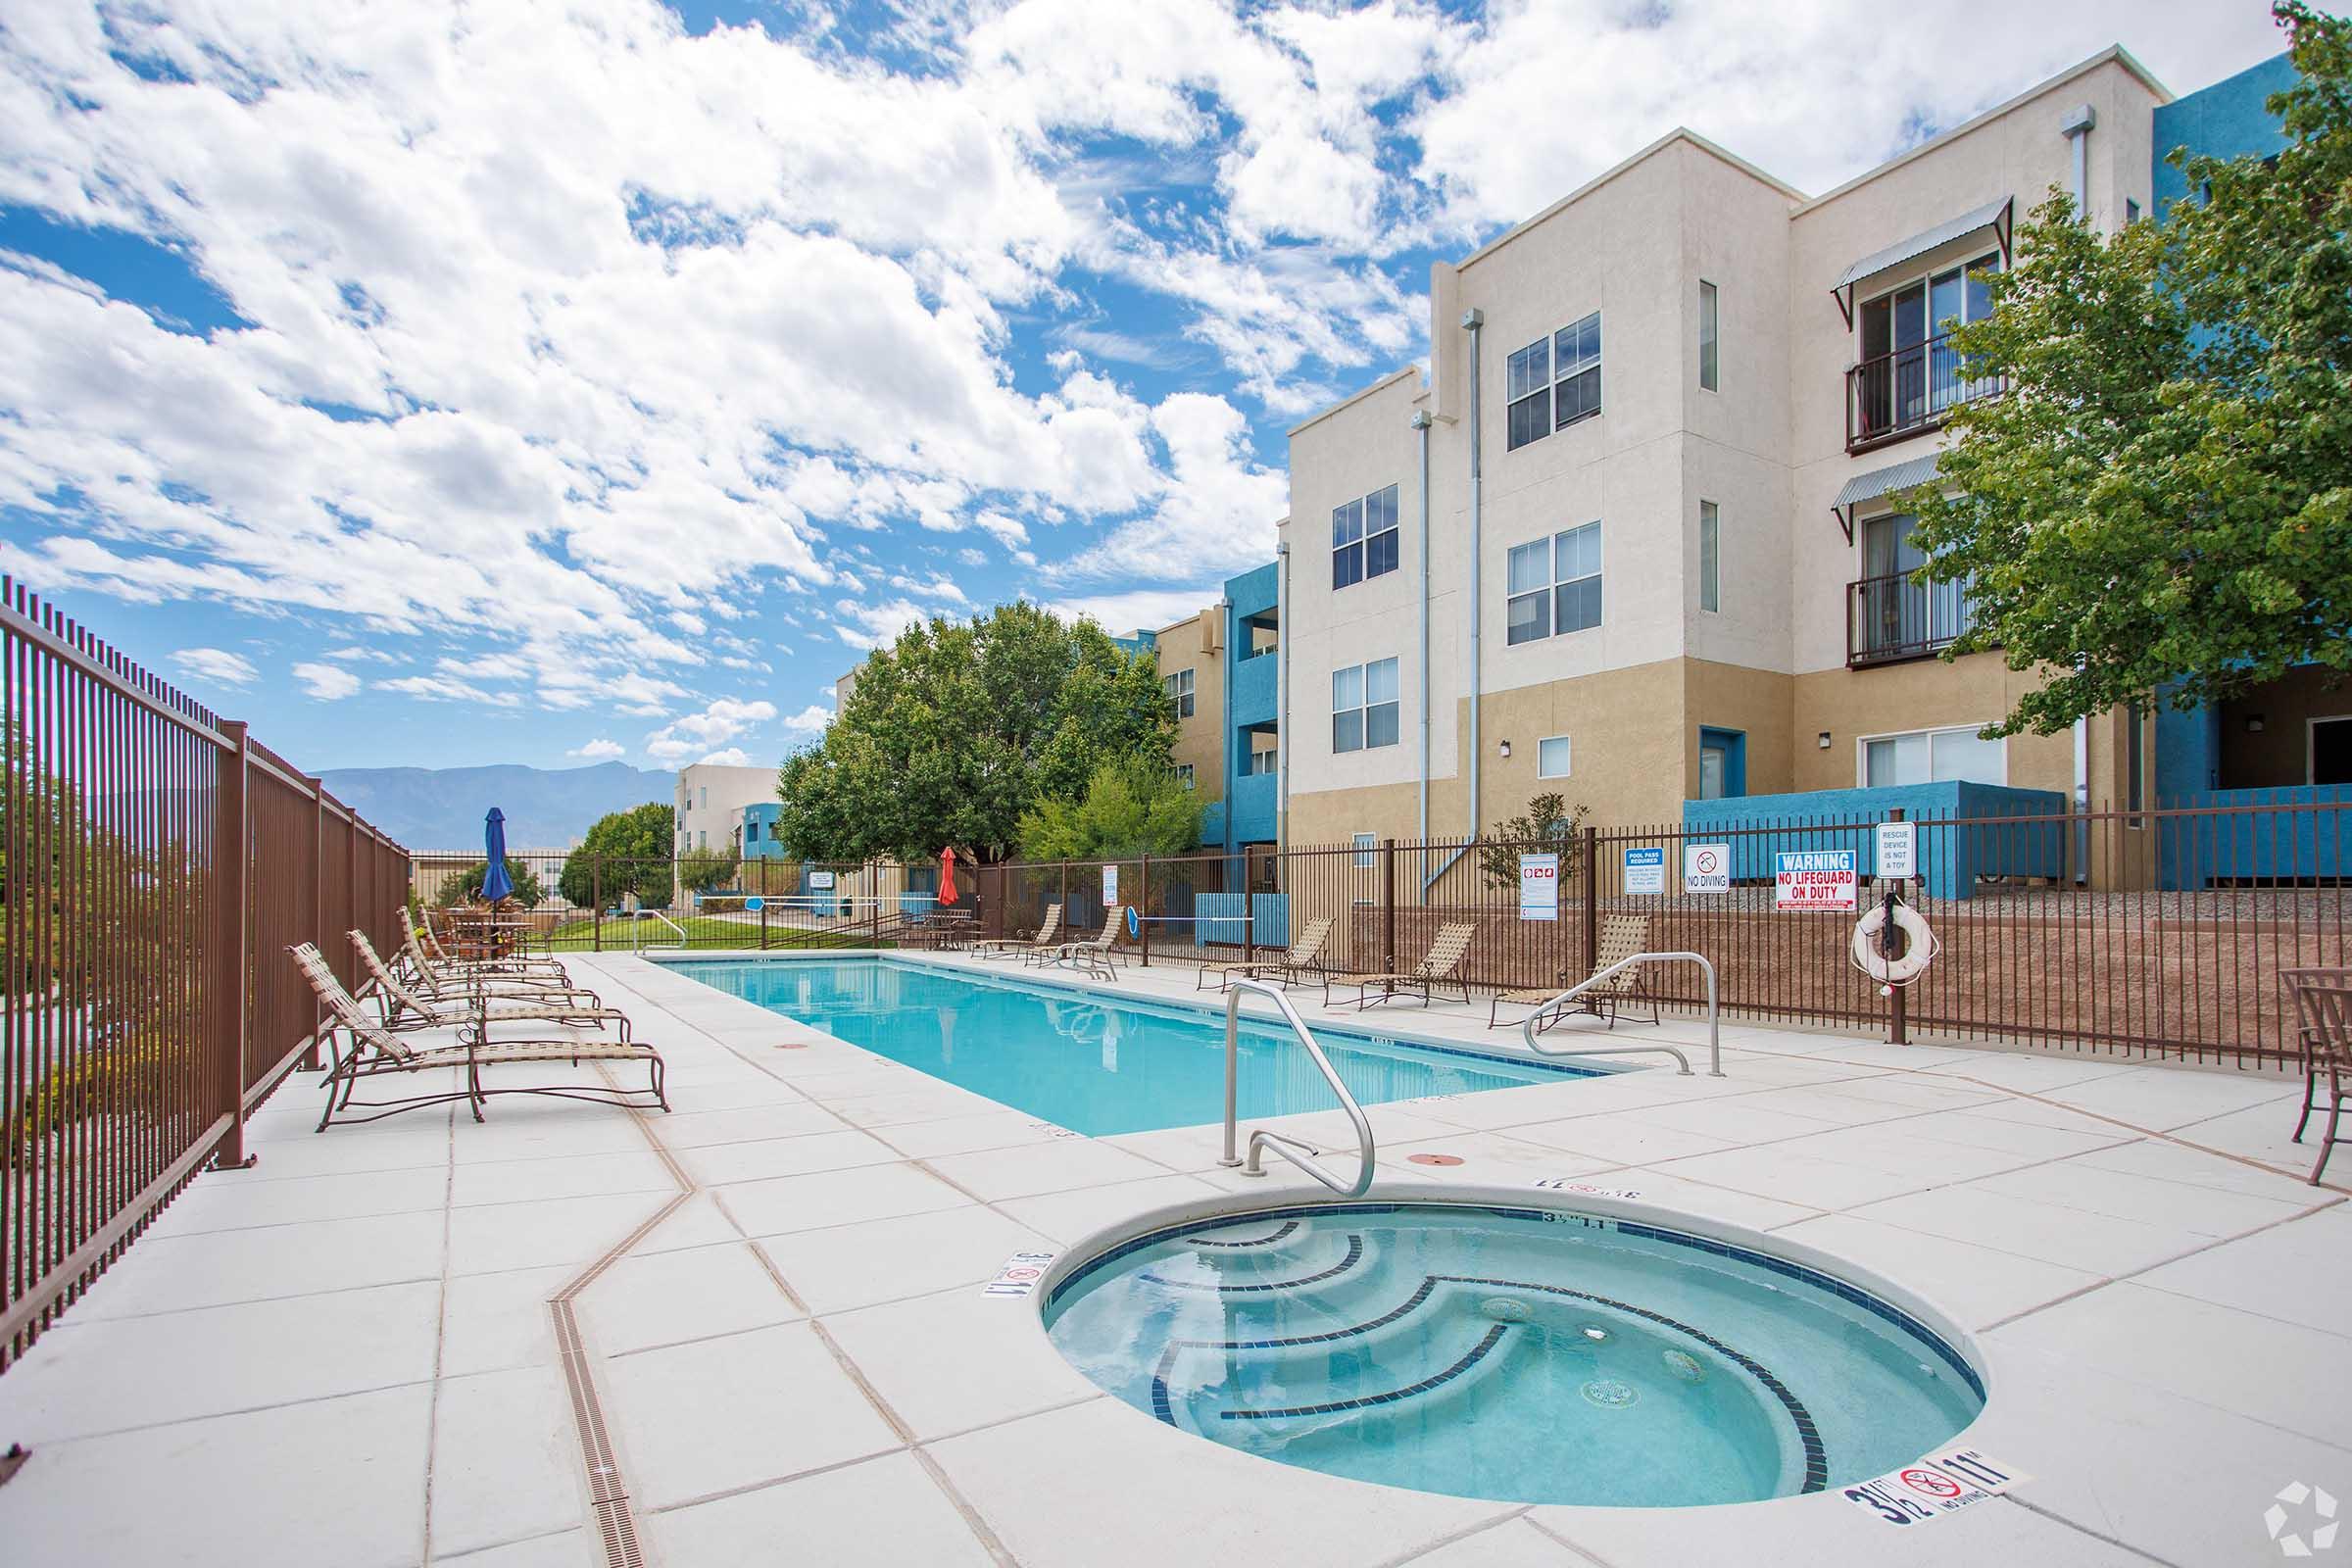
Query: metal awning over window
1881, 482
1998, 217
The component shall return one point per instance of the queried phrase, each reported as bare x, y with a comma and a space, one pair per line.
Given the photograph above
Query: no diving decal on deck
1020, 1274
1937, 1485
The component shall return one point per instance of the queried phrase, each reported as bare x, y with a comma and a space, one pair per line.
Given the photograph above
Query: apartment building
1634, 538
711, 800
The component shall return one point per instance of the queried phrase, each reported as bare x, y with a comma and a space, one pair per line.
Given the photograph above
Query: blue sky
443, 384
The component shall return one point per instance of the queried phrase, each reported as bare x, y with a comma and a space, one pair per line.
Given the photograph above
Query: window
1552, 757
702, 838
1554, 586
1179, 687
1554, 383
751, 831
1363, 706
1363, 538
1367, 852
1707, 329
1909, 373
2131, 211
1934, 756
1710, 557
1184, 772
705, 801
2327, 753
1262, 761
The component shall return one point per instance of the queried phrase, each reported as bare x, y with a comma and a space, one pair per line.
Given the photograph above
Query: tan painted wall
1757, 703
1853, 705
1193, 644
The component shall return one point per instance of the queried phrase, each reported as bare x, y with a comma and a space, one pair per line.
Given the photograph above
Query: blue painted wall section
2291, 842
760, 831
1252, 716
1759, 827
2227, 120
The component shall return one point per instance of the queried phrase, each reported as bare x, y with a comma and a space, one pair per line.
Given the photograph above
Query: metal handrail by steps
1261, 1139
637, 933
1528, 1033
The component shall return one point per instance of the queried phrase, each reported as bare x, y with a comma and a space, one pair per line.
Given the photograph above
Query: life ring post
1898, 1022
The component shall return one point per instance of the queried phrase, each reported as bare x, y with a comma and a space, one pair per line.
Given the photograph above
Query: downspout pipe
1474, 322
1421, 423
1282, 697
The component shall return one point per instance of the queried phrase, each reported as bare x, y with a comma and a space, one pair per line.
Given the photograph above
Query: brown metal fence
159, 861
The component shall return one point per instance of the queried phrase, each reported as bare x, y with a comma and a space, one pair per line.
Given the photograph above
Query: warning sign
1020, 1274
1646, 870
1706, 868
1941, 1483
1540, 887
1814, 879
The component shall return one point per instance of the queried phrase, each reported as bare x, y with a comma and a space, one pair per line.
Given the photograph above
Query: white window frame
1264, 761
1710, 558
1180, 686
1566, 772
1550, 591
1862, 747
1357, 535
1710, 337
1964, 388
1554, 378
1364, 707
1367, 851
1184, 771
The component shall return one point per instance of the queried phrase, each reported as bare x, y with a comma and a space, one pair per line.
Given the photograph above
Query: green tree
1548, 824
953, 733
1130, 808
625, 852
467, 885
701, 870
2159, 505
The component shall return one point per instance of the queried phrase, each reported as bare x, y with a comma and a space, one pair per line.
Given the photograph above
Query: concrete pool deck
346, 1356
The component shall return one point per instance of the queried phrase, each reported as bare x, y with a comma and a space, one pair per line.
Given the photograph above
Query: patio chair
1622, 936
378, 1051
1305, 956
445, 980
1098, 955
515, 962
1436, 968
1021, 945
477, 1010
2324, 1041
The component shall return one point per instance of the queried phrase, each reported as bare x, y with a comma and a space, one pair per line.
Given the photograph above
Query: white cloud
722, 720
327, 683
870, 627
217, 665
599, 750
1137, 609
809, 721
1219, 513
732, 757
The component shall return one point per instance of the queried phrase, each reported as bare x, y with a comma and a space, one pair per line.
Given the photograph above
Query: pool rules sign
1540, 887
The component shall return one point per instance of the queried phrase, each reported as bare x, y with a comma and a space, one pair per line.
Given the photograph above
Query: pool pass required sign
1814, 879
1941, 1483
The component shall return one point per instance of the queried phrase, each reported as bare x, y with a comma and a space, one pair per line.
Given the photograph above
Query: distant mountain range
442, 807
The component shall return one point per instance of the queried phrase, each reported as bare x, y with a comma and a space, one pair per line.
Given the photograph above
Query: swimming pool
1092, 1065
1514, 1353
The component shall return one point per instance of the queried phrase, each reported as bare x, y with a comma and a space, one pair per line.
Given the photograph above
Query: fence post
1143, 909
596, 903
1388, 907
1065, 891
311, 1062
1248, 903
1898, 1025
1592, 868
232, 854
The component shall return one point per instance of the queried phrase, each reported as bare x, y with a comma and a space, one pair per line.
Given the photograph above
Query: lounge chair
1020, 943
454, 981
1622, 936
1436, 968
414, 959
378, 1051
2324, 1040
1098, 955
403, 1006
1305, 956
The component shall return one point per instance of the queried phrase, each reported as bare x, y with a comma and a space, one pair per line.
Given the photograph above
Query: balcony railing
1892, 618
1909, 391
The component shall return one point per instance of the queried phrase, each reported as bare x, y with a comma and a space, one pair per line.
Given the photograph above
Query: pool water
1095, 1067
1524, 1356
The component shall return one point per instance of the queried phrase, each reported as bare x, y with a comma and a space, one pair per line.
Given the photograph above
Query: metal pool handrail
1261, 1139
1527, 1028
637, 931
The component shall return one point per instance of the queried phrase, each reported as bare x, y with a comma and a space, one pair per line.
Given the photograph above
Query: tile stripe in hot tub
1289, 1227
1477, 1354
1356, 1255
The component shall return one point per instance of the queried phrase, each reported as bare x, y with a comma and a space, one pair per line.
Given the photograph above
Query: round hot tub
1516, 1353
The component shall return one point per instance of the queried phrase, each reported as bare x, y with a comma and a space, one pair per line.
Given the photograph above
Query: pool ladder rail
1298, 1154
1530, 1027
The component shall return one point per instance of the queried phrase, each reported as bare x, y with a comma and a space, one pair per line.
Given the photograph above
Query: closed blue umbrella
496, 884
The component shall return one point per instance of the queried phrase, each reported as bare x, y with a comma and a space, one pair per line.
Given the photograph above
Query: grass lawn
702, 931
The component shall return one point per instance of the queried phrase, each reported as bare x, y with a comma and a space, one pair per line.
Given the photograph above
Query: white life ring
1919, 945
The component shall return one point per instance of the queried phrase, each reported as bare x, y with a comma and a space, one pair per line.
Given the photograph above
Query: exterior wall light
1507, 747
2253, 723
1824, 741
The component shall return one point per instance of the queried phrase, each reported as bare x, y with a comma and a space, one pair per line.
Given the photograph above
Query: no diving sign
1019, 1276
1941, 1483
1706, 868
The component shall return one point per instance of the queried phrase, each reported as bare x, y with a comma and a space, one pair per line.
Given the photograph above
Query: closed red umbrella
947, 875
